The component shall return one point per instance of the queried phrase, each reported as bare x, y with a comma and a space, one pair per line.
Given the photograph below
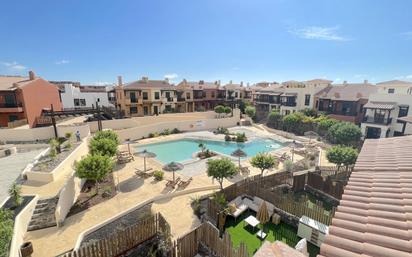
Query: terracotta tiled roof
406, 119
398, 82
277, 249
374, 217
7, 82
380, 105
348, 92
148, 84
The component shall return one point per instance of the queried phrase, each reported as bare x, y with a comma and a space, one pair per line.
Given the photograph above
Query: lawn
282, 232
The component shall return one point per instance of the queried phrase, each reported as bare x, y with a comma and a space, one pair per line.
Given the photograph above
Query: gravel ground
118, 225
47, 164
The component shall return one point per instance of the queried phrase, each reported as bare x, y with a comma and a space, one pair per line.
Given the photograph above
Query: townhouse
77, 96
24, 98
145, 97
288, 97
345, 101
205, 95
387, 112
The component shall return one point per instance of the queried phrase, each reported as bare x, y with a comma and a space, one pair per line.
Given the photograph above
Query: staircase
43, 214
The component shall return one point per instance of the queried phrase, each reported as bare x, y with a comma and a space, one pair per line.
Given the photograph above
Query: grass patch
240, 232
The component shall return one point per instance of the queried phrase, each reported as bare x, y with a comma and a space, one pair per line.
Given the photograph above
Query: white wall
20, 227
72, 92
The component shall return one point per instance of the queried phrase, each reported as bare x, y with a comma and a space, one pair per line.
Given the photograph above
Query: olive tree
344, 133
264, 161
103, 146
220, 169
274, 119
94, 168
250, 111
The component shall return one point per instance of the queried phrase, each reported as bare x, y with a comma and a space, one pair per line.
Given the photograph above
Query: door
156, 110
145, 110
373, 132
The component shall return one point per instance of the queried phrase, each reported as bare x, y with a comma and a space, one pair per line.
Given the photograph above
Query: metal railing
377, 120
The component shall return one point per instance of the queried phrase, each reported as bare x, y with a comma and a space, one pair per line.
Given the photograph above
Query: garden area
241, 232
96, 168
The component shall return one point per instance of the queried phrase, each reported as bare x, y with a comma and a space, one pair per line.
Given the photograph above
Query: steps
43, 214
314, 236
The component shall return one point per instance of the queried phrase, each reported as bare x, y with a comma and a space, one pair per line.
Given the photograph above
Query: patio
241, 232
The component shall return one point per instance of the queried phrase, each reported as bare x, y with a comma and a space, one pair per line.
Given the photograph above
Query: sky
241, 40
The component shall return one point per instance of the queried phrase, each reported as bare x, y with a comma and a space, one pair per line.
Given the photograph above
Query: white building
73, 95
387, 111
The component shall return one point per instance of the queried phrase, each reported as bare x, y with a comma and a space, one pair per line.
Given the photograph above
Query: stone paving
11, 167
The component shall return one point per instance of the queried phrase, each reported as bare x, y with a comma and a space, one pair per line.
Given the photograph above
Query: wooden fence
124, 240
326, 185
262, 188
207, 235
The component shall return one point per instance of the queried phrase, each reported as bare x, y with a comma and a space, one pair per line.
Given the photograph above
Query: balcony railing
377, 120
181, 99
289, 103
169, 99
198, 97
10, 105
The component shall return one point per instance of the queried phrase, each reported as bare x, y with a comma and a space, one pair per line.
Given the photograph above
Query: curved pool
183, 149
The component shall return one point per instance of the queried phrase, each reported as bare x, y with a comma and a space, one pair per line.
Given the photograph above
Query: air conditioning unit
314, 231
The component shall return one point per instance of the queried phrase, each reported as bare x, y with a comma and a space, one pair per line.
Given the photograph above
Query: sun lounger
184, 184
171, 183
143, 174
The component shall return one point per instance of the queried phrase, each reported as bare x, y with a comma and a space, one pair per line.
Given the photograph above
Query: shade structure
145, 154
127, 142
311, 135
239, 153
173, 166
263, 215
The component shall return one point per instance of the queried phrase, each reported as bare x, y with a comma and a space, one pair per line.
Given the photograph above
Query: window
133, 110
79, 102
213, 94
187, 95
167, 94
13, 118
76, 102
145, 96
82, 102
133, 97
236, 94
157, 95
391, 90
9, 100
403, 111
307, 100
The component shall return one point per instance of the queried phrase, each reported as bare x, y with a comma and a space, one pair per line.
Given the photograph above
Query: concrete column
383, 132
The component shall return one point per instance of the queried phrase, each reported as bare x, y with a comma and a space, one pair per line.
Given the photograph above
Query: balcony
181, 99
292, 104
198, 97
169, 99
377, 120
11, 107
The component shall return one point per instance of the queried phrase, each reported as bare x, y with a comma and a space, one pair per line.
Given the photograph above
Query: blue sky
239, 40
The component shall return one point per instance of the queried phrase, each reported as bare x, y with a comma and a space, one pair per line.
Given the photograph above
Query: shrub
175, 131
310, 112
228, 138
108, 134
241, 137
250, 111
165, 132
345, 133
227, 110
158, 175
342, 155
103, 146
274, 119
15, 194
151, 135
6, 231
324, 123
221, 130
68, 135
292, 122
288, 165
219, 109
94, 168
54, 148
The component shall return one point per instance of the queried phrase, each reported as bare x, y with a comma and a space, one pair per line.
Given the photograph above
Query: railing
169, 99
181, 99
377, 120
198, 97
10, 105
289, 103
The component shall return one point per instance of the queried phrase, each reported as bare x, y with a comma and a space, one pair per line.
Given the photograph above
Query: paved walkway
11, 167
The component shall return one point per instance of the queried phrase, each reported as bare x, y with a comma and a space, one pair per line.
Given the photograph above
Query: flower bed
48, 164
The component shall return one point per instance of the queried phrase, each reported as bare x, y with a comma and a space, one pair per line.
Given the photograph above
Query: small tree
219, 109
54, 148
324, 123
220, 169
103, 146
264, 161
110, 134
202, 147
227, 110
94, 168
250, 111
15, 194
293, 122
345, 133
342, 155
6, 231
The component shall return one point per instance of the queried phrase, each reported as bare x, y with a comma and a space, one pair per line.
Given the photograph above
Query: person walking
78, 136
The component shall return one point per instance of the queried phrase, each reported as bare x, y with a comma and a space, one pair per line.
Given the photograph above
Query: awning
380, 105
406, 119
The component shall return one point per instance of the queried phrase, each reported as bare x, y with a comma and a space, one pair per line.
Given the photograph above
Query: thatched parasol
127, 141
173, 166
311, 135
239, 153
263, 215
145, 154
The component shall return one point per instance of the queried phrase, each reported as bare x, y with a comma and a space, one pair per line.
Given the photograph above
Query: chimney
230, 82
166, 80
184, 82
119, 81
345, 82
365, 81
32, 76
201, 82
218, 82
241, 83
145, 79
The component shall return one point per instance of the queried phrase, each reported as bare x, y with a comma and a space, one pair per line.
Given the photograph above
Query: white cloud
62, 62
320, 33
235, 68
14, 66
101, 83
407, 35
171, 76
337, 80
404, 77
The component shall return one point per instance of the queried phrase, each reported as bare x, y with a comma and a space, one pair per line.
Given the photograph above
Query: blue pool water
182, 150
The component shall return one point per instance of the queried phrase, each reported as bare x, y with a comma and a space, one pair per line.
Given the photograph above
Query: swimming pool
183, 149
